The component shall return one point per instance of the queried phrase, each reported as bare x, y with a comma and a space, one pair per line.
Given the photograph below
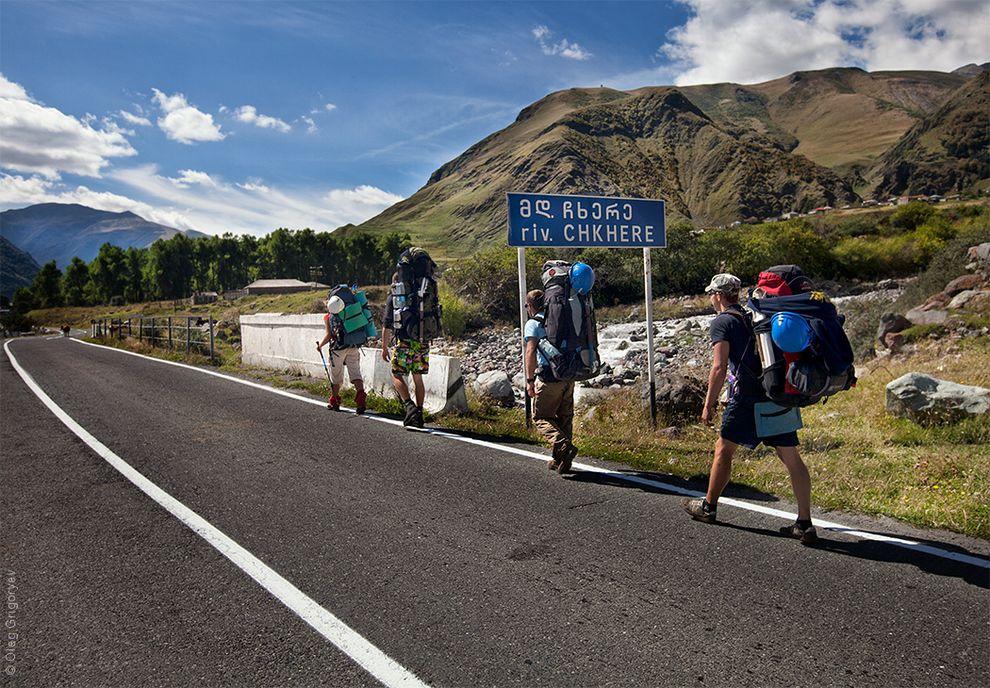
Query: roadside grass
860, 458
300, 302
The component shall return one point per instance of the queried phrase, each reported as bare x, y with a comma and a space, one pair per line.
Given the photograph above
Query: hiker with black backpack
348, 324
411, 322
747, 420
561, 347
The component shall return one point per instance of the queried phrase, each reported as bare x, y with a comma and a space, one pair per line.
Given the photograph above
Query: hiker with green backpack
349, 325
411, 322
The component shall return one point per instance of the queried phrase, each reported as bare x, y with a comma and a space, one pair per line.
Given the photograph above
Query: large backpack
824, 368
354, 324
415, 313
571, 344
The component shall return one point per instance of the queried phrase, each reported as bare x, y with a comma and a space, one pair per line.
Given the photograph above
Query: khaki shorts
341, 358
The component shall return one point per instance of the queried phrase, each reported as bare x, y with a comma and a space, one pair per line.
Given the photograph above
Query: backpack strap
737, 313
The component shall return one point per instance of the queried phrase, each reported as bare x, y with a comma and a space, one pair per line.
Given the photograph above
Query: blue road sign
577, 221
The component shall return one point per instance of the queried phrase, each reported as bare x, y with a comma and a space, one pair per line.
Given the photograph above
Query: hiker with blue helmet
734, 349
561, 347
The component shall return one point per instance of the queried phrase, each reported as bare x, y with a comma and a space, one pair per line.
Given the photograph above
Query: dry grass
860, 458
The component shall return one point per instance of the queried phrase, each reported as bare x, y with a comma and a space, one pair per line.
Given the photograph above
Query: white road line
639, 480
349, 641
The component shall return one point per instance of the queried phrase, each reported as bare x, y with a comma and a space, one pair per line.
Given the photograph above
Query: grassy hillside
716, 152
947, 150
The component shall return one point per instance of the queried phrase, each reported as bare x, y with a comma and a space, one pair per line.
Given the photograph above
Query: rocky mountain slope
949, 150
716, 153
17, 268
59, 231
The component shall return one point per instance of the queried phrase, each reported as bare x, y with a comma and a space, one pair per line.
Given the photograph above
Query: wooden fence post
211, 339
170, 333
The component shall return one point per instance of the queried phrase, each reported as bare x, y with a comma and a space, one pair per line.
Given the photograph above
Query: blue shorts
739, 426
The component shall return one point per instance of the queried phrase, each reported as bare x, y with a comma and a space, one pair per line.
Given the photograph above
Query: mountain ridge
61, 231
716, 153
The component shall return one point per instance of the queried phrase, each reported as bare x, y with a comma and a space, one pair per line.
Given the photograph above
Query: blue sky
245, 116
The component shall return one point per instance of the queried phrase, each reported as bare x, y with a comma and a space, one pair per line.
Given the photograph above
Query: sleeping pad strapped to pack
353, 326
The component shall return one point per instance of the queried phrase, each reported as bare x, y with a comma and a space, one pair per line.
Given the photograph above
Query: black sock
804, 524
707, 506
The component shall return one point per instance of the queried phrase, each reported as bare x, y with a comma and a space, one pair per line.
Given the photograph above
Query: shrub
945, 266
117, 300
458, 315
877, 257
911, 216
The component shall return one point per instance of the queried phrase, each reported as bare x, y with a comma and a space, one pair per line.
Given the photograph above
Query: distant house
870, 202
904, 200
790, 214
821, 209
282, 286
201, 297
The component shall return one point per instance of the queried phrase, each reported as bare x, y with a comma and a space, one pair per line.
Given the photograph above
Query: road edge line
906, 543
347, 640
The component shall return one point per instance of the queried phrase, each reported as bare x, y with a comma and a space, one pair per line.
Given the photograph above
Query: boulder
963, 283
926, 399
496, 386
918, 316
963, 298
891, 322
893, 341
679, 398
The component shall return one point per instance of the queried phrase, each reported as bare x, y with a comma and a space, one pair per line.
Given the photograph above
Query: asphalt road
467, 565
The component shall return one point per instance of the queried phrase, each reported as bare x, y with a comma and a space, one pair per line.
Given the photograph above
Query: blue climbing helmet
582, 278
790, 332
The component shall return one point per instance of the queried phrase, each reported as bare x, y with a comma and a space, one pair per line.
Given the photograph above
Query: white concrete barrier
288, 342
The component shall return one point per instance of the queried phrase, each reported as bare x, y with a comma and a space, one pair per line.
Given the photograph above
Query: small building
904, 200
870, 202
282, 286
790, 214
201, 297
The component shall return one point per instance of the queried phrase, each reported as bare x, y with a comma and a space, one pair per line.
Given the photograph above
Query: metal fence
188, 332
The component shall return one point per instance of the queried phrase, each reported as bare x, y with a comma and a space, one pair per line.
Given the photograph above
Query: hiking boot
566, 459
699, 510
410, 418
361, 401
553, 465
333, 403
807, 536
418, 420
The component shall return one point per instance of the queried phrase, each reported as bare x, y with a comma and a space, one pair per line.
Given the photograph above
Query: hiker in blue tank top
734, 349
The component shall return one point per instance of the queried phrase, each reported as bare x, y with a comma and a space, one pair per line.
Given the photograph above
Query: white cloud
253, 207
311, 127
184, 123
249, 114
563, 47
329, 107
188, 178
39, 139
254, 185
17, 192
765, 39
136, 120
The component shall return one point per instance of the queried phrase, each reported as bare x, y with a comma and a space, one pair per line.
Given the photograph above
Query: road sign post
571, 221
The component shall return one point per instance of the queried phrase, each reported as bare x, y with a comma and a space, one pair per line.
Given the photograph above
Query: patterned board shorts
410, 357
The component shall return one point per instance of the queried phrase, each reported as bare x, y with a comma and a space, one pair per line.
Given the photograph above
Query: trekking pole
326, 368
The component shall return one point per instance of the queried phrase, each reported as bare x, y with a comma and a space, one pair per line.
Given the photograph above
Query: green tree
134, 275
74, 282
169, 268
47, 286
23, 301
107, 273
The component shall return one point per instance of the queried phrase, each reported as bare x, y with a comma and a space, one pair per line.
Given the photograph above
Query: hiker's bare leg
401, 388
335, 390
420, 390
800, 479
359, 385
721, 469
